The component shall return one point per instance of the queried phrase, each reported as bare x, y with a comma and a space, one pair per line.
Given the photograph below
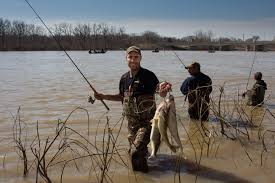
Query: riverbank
262, 46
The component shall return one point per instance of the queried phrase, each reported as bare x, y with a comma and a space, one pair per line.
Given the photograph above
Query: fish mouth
171, 97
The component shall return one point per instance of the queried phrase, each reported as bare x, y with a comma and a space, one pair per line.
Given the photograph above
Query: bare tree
19, 30
96, 29
252, 39
82, 32
64, 33
4, 30
201, 36
105, 31
150, 36
255, 38
112, 36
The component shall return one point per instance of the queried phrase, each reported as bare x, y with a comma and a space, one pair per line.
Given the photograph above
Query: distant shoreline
20, 36
167, 48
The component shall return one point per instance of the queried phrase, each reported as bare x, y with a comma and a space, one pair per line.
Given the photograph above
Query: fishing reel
91, 100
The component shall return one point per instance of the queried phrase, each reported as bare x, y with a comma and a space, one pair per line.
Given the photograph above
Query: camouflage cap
193, 65
134, 49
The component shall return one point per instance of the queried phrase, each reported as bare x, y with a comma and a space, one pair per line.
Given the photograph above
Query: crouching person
255, 96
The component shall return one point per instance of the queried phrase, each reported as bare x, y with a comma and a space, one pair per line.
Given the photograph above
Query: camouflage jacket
256, 95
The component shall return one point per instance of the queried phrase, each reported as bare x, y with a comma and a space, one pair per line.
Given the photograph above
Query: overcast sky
177, 18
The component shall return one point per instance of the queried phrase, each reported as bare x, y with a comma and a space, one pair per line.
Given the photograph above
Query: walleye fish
165, 117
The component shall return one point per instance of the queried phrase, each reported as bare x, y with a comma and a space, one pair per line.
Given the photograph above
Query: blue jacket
193, 82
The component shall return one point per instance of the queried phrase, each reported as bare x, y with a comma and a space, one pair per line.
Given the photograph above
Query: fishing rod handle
105, 104
102, 101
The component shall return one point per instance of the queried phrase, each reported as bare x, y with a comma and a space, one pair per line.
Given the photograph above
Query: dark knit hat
258, 75
194, 65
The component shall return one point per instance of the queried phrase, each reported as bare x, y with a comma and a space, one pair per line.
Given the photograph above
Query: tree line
18, 35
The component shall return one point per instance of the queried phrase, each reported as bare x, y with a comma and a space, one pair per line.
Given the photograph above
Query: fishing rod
180, 59
63, 49
251, 68
184, 67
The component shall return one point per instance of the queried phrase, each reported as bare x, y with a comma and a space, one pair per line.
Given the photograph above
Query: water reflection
171, 163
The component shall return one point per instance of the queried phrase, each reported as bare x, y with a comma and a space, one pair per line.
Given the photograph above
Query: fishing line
63, 49
251, 69
180, 59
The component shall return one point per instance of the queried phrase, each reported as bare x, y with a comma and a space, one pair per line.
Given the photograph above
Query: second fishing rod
180, 60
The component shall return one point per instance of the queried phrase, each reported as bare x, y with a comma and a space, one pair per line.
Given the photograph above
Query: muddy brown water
47, 87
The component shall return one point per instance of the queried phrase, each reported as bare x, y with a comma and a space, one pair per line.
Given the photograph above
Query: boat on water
94, 51
156, 50
211, 49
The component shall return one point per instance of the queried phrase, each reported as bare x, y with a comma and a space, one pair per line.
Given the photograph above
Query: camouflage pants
138, 114
253, 99
139, 135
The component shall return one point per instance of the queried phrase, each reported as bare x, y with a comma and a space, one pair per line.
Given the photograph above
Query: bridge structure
228, 46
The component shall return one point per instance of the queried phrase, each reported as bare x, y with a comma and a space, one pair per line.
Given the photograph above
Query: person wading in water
255, 96
136, 92
197, 88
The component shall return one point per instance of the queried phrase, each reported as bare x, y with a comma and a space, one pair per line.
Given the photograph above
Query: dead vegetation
67, 147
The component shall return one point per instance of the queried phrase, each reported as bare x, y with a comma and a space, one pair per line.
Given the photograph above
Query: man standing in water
255, 96
136, 91
197, 88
